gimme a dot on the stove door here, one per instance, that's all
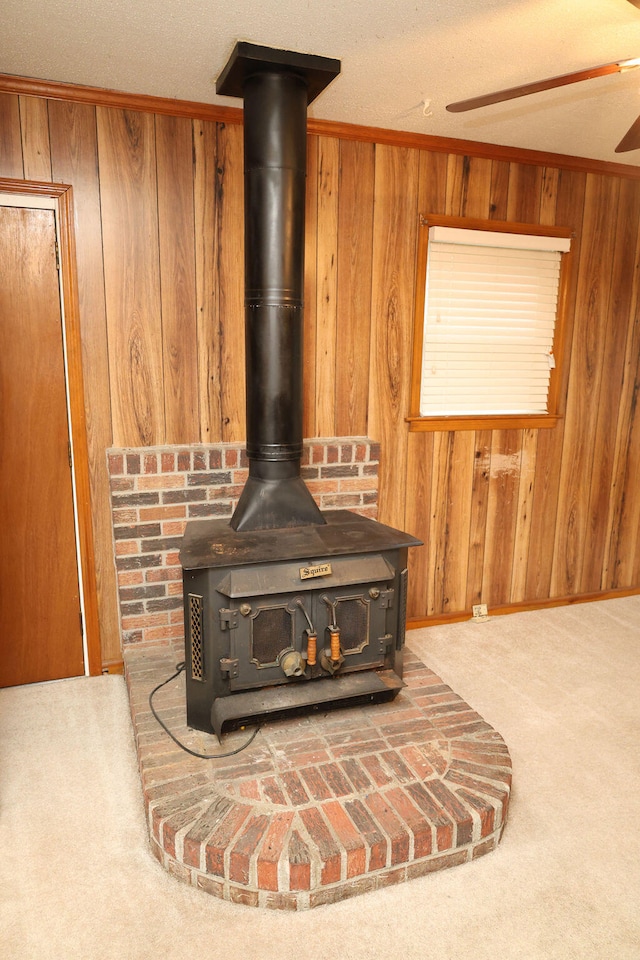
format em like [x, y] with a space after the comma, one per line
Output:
[268, 631]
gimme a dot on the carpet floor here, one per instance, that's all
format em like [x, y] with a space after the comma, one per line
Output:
[77, 879]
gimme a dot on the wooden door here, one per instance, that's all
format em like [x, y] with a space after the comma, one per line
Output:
[40, 626]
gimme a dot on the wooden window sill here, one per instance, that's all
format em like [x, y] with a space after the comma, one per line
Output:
[534, 421]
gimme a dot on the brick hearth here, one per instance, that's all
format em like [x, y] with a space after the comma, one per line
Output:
[322, 807]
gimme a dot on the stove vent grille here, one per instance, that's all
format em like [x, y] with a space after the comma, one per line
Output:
[196, 637]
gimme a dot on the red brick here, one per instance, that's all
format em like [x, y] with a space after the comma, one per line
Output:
[418, 763]
[336, 780]
[270, 852]
[349, 837]
[168, 462]
[221, 839]
[356, 774]
[329, 850]
[395, 831]
[373, 765]
[201, 829]
[375, 839]
[250, 790]
[443, 825]
[454, 809]
[419, 826]
[483, 808]
[240, 857]
[294, 787]
[315, 784]
[299, 863]
[272, 791]
[150, 463]
[116, 464]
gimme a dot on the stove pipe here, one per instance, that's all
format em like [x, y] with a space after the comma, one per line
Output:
[276, 86]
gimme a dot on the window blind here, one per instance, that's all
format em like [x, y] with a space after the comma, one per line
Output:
[490, 310]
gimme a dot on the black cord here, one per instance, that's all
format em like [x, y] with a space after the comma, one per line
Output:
[201, 756]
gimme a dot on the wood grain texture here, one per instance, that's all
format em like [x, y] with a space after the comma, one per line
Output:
[176, 232]
[393, 282]
[567, 525]
[569, 212]
[34, 128]
[229, 289]
[327, 286]
[502, 515]
[355, 245]
[592, 302]
[205, 180]
[611, 400]
[10, 142]
[74, 160]
[127, 156]
[40, 596]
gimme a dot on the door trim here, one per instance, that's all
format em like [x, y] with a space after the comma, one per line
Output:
[63, 194]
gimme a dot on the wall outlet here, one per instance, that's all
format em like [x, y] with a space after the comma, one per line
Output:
[480, 613]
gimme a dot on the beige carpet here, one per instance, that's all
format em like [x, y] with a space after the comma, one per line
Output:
[563, 688]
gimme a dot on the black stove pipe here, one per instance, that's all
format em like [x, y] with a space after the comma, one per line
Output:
[276, 87]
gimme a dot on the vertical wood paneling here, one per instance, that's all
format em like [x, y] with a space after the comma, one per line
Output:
[499, 190]
[522, 536]
[229, 254]
[126, 150]
[394, 245]
[34, 125]
[569, 212]
[355, 245]
[600, 508]
[478, 521]
[176, 228]
[10, 139]
[594, 287]
[327, 285]
[502, 509]
[507, 516]
[525, 185]
[417, 518]
[74, 160]
[205, 186]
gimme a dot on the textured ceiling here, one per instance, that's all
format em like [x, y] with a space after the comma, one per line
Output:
[396, 54]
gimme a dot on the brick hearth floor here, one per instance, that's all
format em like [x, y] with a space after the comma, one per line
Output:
[321, 807]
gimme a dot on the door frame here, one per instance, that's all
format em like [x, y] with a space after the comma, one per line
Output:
[63, 195]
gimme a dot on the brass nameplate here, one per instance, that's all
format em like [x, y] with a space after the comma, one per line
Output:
[319, 570]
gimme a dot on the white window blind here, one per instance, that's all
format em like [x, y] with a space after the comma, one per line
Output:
[490, 310]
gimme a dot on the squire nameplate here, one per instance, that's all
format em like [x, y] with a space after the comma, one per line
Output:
[319, 570]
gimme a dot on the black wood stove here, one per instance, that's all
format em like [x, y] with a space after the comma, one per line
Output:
[286, 608]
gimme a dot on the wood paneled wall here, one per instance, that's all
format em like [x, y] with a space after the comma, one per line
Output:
[507, 516]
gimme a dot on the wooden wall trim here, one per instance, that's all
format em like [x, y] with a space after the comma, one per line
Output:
[96, 96]
[63, 194]
[417, 623]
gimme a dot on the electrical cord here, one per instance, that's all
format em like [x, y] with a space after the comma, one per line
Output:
[201, 756]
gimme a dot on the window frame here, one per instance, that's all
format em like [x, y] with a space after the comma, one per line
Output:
[495, 421]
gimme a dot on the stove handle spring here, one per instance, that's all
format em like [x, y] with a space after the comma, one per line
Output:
[312, 637]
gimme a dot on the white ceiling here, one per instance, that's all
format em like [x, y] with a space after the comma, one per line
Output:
[395, 54]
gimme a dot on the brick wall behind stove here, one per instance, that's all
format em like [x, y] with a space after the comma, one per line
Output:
[156, 490]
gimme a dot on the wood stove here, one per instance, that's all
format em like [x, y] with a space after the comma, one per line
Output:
[286, 608]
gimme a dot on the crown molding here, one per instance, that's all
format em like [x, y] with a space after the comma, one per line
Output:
[96, 96]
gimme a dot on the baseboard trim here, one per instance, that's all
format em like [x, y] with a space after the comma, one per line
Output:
[414, 623]
[113, 666]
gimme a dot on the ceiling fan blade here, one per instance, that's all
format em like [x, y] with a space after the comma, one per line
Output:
[523, 91]
[636, 3]
[631, 139]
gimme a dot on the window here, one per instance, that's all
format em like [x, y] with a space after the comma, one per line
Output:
[489, 321]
